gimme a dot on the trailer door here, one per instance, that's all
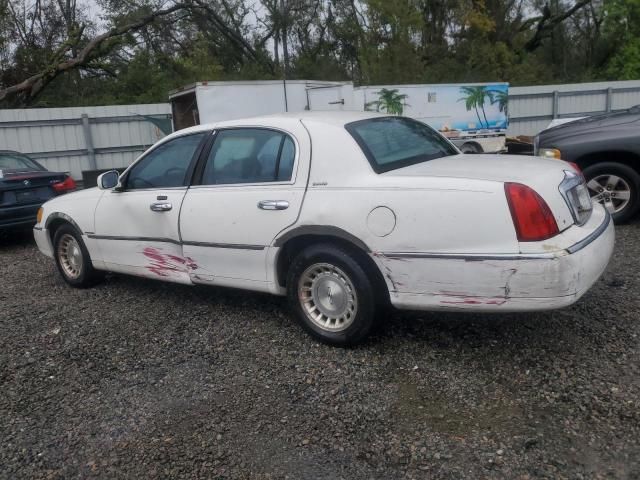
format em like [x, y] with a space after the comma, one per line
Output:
[326, 98]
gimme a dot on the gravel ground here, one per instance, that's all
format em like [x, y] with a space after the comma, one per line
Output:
[140, 379]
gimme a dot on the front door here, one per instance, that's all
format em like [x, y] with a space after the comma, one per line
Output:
[137, 228]
[251, 187]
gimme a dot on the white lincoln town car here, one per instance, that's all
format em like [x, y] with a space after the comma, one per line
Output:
[343, 212]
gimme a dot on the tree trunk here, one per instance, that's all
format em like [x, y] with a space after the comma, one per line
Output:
[285, 47]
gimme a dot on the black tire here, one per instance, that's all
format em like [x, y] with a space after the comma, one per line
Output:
[358, 326]
[628, 175]
[87, 275]
[471, 148]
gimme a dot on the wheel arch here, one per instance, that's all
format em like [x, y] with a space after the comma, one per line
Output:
[56, 219]
[625, 157]
[297, 239]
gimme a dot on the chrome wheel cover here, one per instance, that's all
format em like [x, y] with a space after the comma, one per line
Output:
[611, 191]
[327, 297]
[70, 256]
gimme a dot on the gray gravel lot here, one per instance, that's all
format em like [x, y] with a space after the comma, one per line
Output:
[140, 379]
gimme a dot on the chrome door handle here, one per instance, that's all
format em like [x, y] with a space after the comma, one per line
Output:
[273, 204]
[160, 207]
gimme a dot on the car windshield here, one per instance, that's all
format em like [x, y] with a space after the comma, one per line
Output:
[395, 142]
[13, 161]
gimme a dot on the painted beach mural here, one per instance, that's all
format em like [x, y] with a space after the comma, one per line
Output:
[460, 112]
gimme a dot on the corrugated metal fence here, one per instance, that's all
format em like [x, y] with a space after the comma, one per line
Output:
[95, 138]
[83, 138]
[531, 109]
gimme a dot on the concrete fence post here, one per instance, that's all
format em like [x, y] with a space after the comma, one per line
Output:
[88, 141]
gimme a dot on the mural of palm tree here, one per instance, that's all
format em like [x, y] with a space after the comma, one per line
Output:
[501, 98]
[475, 98]
[390, 101]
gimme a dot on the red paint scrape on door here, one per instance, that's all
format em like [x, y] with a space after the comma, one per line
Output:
[163, 264]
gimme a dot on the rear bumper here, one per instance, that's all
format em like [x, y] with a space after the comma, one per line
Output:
[22, 216]
[505, 283]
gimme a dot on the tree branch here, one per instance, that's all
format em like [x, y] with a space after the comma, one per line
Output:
[547, 22]
[95, 48]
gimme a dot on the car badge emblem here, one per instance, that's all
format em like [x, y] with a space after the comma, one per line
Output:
[27, 183]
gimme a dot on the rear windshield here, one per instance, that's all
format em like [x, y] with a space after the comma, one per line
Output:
[17, 161]
[396, 142]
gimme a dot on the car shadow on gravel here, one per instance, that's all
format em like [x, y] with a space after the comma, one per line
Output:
[436, 330]
[15, 238]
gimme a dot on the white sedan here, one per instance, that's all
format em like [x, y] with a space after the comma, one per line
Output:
[343, 212]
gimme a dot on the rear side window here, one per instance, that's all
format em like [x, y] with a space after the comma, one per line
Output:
[17, 161]
[249, 155]
[395, 142]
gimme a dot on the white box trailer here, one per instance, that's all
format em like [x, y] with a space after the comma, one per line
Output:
[206, 102]
[472, 116]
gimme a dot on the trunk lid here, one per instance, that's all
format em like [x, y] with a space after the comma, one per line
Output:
[20, 187]
[542, 175]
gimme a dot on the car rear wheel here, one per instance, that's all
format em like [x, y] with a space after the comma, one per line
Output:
[72, 258]
[331, 295]
[616, 187]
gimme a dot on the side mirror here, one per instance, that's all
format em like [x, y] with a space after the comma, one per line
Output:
[108, 180]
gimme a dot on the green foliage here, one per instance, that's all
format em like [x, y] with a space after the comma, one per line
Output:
[622, 30]
[374, 42]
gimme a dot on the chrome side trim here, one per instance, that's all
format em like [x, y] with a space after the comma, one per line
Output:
[236, 246]
[471, 257]
[576, 247]
[134, 239]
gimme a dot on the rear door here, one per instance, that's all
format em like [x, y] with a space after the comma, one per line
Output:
[251, 187]
[136, 229]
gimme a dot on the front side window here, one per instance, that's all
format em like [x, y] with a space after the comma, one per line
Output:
[249, 155]
[166, 166]
[395, 142]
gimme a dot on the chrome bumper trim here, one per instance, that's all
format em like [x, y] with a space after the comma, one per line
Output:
[576, 247]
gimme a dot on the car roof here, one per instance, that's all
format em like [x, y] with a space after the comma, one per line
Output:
[334, 118]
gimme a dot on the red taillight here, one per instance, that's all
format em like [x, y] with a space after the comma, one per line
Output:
[531, 215]
[64, 185]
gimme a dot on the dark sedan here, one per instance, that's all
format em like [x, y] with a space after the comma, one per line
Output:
[24, 186]
[607, 148]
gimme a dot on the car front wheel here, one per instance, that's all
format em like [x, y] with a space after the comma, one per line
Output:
[616, 186]
[72, 258]
[331, 295]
